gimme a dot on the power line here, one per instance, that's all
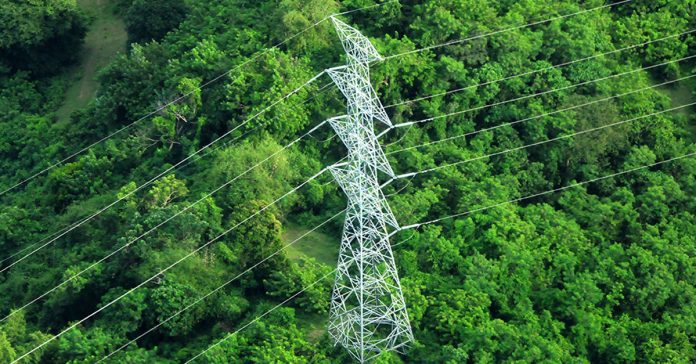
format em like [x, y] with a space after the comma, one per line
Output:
[74, 226]
[79, 223]
[152, 180]
[276, 307]
[176, 167]
[186, 161]
[198, 300]
[181, 164]
[437, 220]
[415, 226]
[541, 115]
[408, 183]
[108, 256]
[319, 91]
[545, 141]
[528, 73]
[258, 55]
[584, 83]
[171, 266]
[61, 333]
[400, 138]
[505, 30]
[176, 100]
[64, 231]
[262, 315]
[132, 241]
[19, 252]
[547, 192]
[112, 302]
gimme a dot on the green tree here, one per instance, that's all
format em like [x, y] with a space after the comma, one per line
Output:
[257, 239]
[42, 36]
[169, 298]
[7, 353]
[298, 278]
[148, 20]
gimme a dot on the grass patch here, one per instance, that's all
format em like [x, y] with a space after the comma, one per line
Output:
[682, 93]
[318, 245]
[313, 324]
[106, 37]
[322, 247]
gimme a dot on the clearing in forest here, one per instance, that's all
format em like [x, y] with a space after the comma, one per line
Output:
[323, 248]
[105, 38]
[320, 246]
[683, 93]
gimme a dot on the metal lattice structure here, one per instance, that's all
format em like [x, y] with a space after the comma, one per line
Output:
[368, 313]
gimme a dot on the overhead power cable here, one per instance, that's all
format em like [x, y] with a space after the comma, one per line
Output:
[575, 185]
[22, 250]
[108, 256]
[415, 226]
[259, 54]
[574, 107]
[185, 162]
[176, 167]
[200, 299]
[132, 241]
[158, 274]
[526, 146]
[505, 30]
[185, 95]
[537, 94]
[327, 275]
[256, 115]
[321, 90]
[411, 176]
[152, 180]
[532, 72]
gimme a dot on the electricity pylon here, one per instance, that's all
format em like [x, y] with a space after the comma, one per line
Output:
[368, 313]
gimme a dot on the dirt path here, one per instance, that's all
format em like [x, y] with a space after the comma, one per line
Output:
[105, 38]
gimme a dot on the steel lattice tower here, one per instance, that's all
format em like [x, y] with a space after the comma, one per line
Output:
[368, 313]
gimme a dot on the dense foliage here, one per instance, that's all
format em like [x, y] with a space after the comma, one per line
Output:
[152, 19]
[600, 273]
[41, 36]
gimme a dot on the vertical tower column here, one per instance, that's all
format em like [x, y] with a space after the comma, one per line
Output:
[368, 313]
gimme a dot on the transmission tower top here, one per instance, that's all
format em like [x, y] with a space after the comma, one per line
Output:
[358, 48]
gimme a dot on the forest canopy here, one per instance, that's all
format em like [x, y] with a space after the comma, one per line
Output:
[41, 36]
[603, 272]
